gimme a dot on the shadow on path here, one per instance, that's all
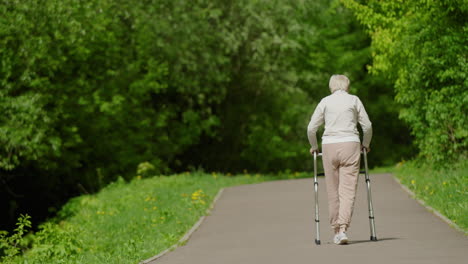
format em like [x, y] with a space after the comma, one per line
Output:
[369, 241]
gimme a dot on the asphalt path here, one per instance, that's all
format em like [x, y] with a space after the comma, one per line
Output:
[273, 222]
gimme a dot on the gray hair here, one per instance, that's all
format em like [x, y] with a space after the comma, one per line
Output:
[338, 82]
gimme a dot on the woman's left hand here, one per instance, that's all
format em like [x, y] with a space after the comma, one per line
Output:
[367, 150]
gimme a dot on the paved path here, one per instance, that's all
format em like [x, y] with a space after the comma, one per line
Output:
[273, 223]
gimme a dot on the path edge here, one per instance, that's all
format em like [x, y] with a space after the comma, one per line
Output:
[429, 208]
[188, 233]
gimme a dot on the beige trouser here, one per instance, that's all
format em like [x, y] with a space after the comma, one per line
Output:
[341, 165]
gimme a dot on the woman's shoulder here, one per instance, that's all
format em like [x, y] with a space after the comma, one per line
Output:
[341, 95]
[353, 97]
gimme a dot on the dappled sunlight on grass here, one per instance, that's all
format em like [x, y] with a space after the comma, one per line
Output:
[129, 221]
[444, 190]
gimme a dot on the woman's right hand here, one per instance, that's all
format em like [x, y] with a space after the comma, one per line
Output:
[313, 150]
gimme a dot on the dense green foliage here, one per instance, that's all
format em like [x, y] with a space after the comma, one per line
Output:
[91, 89]
[421, 46]
[124, 222]
[443, 190]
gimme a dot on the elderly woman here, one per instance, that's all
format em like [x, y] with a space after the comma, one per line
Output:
[341, 150]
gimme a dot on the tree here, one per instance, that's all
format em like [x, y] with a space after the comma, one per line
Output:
[421, 46]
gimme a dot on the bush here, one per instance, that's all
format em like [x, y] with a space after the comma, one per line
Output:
[421, 46]
[11, 246]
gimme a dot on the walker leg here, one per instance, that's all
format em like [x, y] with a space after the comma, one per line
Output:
[373, 236]
[317, 220]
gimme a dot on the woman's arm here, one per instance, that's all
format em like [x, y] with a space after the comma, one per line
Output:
[315, 122]
[365, 123]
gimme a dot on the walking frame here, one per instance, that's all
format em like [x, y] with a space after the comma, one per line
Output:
[373, 236]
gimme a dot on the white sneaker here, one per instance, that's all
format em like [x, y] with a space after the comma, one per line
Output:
[335, 239]
[340, 238]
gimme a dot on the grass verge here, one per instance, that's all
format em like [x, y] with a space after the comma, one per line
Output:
[127, 222]
[444, 190]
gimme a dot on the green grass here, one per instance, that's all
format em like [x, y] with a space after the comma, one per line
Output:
[387, 169]
[444, 190]
[130, 222]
